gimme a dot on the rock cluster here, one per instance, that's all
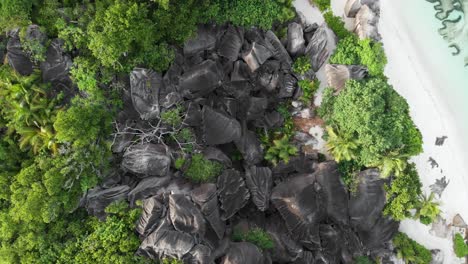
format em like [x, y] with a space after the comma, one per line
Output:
[366, 14]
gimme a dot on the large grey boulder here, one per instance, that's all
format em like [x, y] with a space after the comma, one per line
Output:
[320, 47]
[243, 253]
[146, 86]
[260, 182]
[352, 7]
[287, 85]
[256, 55]
[286, 250]
[206, 197]
[147, 188]
[338, 75]
[153, 213]
[279, 51]
[296, 42]
[147, 160]
[167, 243]
[232, 192]
[219, 128]
[205, 39]
[17, 58]
[185, 216]
[366, 24]
[381, 233]
[201, 79]
[57, 65]
[200, 254]
[231, 43]
[98, 199]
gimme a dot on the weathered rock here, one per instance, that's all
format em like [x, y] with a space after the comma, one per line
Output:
[145, 87]
[171, 99]
[379, 234]
[57, 65]
[147, 188]
[331, 242]
[352, 7]
[320, 46]
[286, 249]
[250, 147]
[200, 79]
[147, 160]
[256, 56]
[17, 58]
[296, 42]
[185, 216]
[240, 72]
[232, 192]
[268, 76]
[279, 52]
[205, 196]
[204, 40]
[238, 89]
[365, 207]
[298, 201]
[154, 211]
[366, 24]
[231, 43]
[243, 253]
[219, 128]
[288, 85]
[211, 153]
[193, 116]
[338, 75]
[253, 108]
[200, 254]
[437, 256]
[164, 242]
[98, 199]
[260, 182]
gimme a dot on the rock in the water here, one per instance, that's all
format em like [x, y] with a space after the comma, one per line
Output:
[320, 46]
[243, 253]
[296, 42]
[146, 86]
[147, 160]
[98, 199]
[17, 58]
[185, 216]
[334, 192]
[205, 196]
[219, 128]
[298, 201]
[154, 211]
[365, 207]
[260, 182]
[338, 75]
[147, 188]
[162, 243]
[256, 56]
[205, 40]
[233, 194]
[200, 79]
[231, 43]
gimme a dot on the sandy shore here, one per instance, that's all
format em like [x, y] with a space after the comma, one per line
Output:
[415, 73]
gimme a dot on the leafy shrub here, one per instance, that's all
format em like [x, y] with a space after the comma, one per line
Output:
[337, 25]
[308, 88]
[301, 65]
[351, 50]
[321, 4]
[34, 48]
[427, 209]
[256, 236]
[203, 170]
[171, 261]
[281, 150]
[363, 260]
[459, 245]
[410, 250]
[349, 174]
[179, 162]
[14, 13]
[342, 149]
[173, 117]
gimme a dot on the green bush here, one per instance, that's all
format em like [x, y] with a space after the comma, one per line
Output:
[309, 88]
[256, 236]
[173, 117]
[301, 65]
[203, 170]
[14, 13]
[351, 50]
[411, 251]
[363, 260]
[281, 150]
[171, 261]
[403, 194]
[427, 209]
[321, 4]
[337, 25]
[459, 245]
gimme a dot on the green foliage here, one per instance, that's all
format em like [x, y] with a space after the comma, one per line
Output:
[403, 194]
[392, 163]
[321, 4]
[337, 25]
[281, 150]
[342, 148]
[351, 50]
[14, 13]
[256, 236]
[427, 209]
[83, 123]
[373, 114]
[173, 117]
[27, 110]
[171, 261]
[308, 88]
[411, 251]
[349, 174]
[301, 65]
[363, 260]
[179, 162]
[459, 246]
[203, 170]
[34, 48]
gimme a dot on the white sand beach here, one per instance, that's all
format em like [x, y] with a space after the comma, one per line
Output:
[420, 70]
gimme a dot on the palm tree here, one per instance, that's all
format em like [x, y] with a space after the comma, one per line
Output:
[427, 209]
[391, 163]
[340, 147]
